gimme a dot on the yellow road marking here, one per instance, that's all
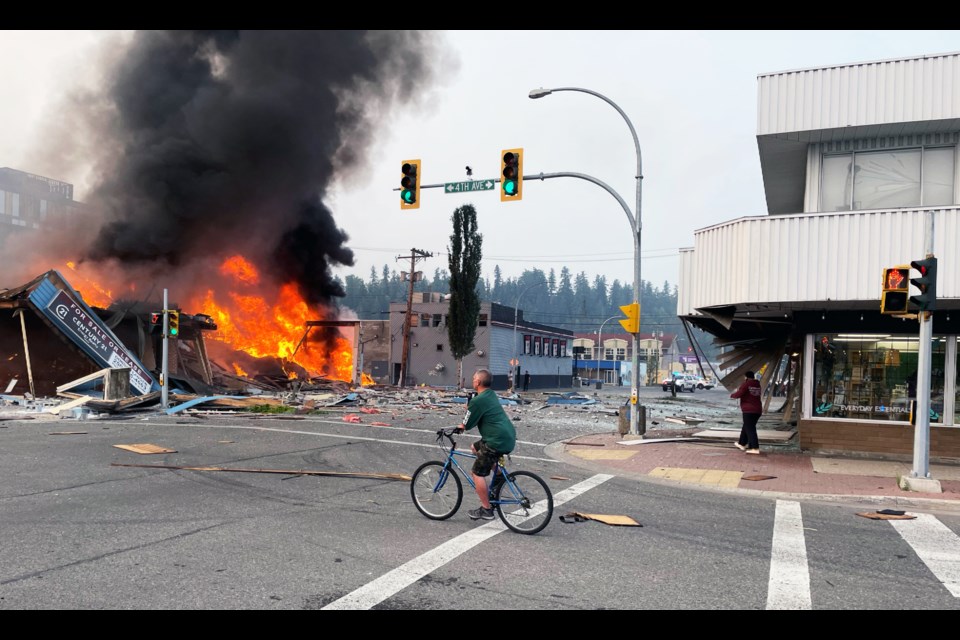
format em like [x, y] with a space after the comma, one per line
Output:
[712, 477]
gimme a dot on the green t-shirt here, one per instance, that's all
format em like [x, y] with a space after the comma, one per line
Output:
[485, 413]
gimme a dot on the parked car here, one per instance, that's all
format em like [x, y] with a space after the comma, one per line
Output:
[704, 383]
[683, 383]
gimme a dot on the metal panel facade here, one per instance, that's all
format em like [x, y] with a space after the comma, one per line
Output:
[812, 257]
[867, 93]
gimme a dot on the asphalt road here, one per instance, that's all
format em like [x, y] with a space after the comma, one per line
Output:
[79, 533]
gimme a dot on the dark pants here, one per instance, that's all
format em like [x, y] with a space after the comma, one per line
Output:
[748, 434]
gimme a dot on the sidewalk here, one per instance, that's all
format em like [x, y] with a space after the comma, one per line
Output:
[718, 465]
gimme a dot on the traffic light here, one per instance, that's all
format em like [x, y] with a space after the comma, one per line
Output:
[896, 290]
[926, 283]
[410, 184]
[511, 174]
[173, 324]
[632, 322]
[156, 322]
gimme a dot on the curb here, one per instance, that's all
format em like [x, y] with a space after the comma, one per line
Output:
[557, 451]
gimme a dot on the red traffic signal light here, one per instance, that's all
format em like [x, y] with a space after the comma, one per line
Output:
[926, 299]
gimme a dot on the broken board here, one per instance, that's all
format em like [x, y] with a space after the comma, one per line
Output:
[144, 448]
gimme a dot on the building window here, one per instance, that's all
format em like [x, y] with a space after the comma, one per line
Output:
[526, 345]
[43, 209]
[563, 348]
[887, 179]
[436, 319]
[424, 319]
[15, 202]
[3, 201]
[483, 320]
[439, 347]
[608, 354]
[536, 345]
[556, 347]
[621, 354]
[872, 376]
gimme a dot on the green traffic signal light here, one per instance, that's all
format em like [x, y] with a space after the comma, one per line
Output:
[511, 172]
[410, 184]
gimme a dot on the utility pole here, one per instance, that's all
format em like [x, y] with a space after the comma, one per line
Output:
[415, 254]
[164, 379]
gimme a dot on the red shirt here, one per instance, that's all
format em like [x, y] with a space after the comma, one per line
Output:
[749, 394]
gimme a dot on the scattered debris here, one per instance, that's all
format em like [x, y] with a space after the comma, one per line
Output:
[379, 424]
[758, 477]
[616, 521]
[887, 514]
[352, 417]
[586, 444]
[13, 383]
[144, 448]
[366, 410]
[288, 472]
[205, 399]
[691, 420]
[559, 478]
[225, 441]
[654, 440]
[70, 405]
[68, 433]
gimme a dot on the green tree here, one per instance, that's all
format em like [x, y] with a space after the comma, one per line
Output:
[465, 252]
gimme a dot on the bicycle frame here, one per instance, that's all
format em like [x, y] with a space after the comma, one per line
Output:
[451, 461]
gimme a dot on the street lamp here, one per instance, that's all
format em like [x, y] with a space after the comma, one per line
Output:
[600, 344]
[636, 226]
[516, 308]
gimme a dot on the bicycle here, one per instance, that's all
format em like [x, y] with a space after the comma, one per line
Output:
[521, 498]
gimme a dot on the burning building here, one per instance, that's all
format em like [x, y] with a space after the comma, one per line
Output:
[213, 153]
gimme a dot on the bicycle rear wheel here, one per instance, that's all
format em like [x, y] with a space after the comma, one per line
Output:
[436, 492]
[535, 507]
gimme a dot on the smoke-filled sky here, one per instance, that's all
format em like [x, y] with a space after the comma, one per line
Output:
[204, 145]
[256, 127]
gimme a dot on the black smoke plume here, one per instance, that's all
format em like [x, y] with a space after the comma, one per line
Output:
[226, 141]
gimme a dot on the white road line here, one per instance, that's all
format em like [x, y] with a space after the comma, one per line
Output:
[936, 545]
[389, 584]
[789, 586]
[343, 437]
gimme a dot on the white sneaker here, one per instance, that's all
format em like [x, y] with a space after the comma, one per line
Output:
[753, 451]
[740, 446]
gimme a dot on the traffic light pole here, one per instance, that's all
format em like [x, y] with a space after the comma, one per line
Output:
[415, 254]
[164, 384]
[921, 432]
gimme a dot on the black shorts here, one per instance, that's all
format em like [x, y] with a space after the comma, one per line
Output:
[486, 458]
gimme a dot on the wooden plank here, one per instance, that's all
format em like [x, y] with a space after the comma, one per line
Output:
[88, 378]
[145, 448]
[288, 472]
[70, 405]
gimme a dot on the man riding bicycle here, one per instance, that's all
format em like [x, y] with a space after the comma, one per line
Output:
[497, 437]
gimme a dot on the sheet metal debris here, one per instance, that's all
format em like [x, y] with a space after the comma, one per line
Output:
[758, 477]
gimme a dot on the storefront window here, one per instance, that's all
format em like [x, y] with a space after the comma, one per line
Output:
[873, 377]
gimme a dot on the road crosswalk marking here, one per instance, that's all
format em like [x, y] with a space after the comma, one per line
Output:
[789, 584]
[936, 545]
[392, 582]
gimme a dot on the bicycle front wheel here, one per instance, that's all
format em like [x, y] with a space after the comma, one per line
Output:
[527, 503]
[436, 492]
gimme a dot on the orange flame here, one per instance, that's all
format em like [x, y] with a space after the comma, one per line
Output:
[92, 293]
[239, 370]
[366, 380]
[262, 328]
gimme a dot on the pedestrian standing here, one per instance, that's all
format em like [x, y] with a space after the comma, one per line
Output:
[526, 380]
[749, 395]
